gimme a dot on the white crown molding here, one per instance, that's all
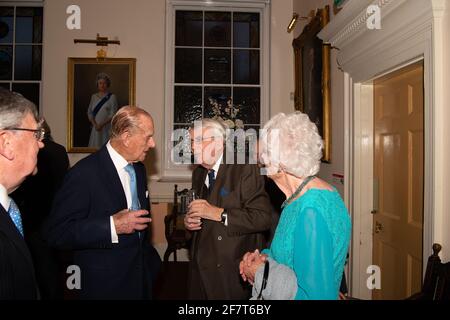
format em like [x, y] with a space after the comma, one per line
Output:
[405, 26]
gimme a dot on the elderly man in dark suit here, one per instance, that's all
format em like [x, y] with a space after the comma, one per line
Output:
[20, 140]
[102, 213]
[228, 220]
[34, 199]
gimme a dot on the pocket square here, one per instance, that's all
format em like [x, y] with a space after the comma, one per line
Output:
[223, 192]
[146, 194]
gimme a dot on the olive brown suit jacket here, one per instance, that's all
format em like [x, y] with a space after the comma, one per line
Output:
[217, 249]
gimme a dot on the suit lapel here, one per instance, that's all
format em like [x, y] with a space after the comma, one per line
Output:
[110, 177]
[141, 181]
[8, 227]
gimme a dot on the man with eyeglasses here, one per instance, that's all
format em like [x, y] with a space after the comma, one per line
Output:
[227, 220]
[102, 211]
[20, 140]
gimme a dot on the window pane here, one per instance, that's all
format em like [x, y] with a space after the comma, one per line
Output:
[188, 104]
[217, 66]
[6, 62]
[5, 85]
[28, 63]
[6, 24]
[247, 101]
[217, 102]
[217, 29]
[246, 66]
[189, 28]
[188, 65]
[183, 143]
[28, 90]
[246, 30]
[28, 25]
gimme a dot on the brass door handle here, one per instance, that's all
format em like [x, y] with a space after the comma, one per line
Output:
[378, 227]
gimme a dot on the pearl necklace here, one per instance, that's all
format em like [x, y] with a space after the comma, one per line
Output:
[297, 192]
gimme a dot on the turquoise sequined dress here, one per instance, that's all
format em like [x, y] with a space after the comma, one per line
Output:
[312, 238]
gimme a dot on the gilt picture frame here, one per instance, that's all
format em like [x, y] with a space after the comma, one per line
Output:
[84, 98]
[312, 77]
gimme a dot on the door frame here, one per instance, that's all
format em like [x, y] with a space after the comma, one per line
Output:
[361, 197]
[412, 30]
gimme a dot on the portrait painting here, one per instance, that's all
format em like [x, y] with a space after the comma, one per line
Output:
[96, 90]
[312, 78]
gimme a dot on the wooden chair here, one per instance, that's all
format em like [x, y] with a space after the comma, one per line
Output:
[436, 284]
[176, 235]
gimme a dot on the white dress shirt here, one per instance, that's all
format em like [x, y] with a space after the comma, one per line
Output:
[5, 200]
[119, 163]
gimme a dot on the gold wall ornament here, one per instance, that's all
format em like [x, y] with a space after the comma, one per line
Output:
[99, 41]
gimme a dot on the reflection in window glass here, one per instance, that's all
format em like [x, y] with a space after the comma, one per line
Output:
[29, 91]
[188, 65]
[217, 29]
[217, 100]
[6, 59]
[28, 25]
[247, 101]
[28, 63]
[217, 66]
[246, 66]
[224, 65]
[188, 104]
[189, 28]
[246, 30]
[6, 24]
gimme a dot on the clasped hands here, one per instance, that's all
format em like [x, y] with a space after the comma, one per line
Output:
[127, 222]
[198, 210]
[250, 264]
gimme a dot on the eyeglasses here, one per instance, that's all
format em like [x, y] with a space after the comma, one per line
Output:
[38, 133]
[199, 140]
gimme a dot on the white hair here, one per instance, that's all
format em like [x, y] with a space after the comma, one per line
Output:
[216, 126]
[299, 144]
[14, 108]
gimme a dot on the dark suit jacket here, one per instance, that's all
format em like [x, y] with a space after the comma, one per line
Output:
[217, 249]
[17, 280]
[80, 221]
[34, 198]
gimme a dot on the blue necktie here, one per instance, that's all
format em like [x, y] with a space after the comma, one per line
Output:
[135, 205]
[14, 213]
[211, 179]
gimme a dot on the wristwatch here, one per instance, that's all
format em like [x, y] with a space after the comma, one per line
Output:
[223, 217]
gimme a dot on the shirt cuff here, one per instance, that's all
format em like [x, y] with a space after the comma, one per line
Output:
[114, 236]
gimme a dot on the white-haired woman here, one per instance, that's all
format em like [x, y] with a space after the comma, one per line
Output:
[101, 109]
[307, 255]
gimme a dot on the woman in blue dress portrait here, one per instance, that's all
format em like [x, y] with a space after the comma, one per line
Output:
[307, 255]
[101, 109]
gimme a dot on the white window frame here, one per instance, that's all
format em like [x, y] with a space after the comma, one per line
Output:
[182, 173]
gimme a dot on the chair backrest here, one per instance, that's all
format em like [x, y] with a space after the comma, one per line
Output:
[436, 284]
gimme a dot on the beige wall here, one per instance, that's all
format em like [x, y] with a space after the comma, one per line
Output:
[303, 7]
[140, 26]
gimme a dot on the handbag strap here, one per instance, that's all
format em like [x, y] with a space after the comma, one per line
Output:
[264, 281]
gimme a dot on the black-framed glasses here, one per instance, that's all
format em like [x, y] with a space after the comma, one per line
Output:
[38, 133]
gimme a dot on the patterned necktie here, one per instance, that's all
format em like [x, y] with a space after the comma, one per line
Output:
[14, 213]
[133, 186]
[211, 179]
